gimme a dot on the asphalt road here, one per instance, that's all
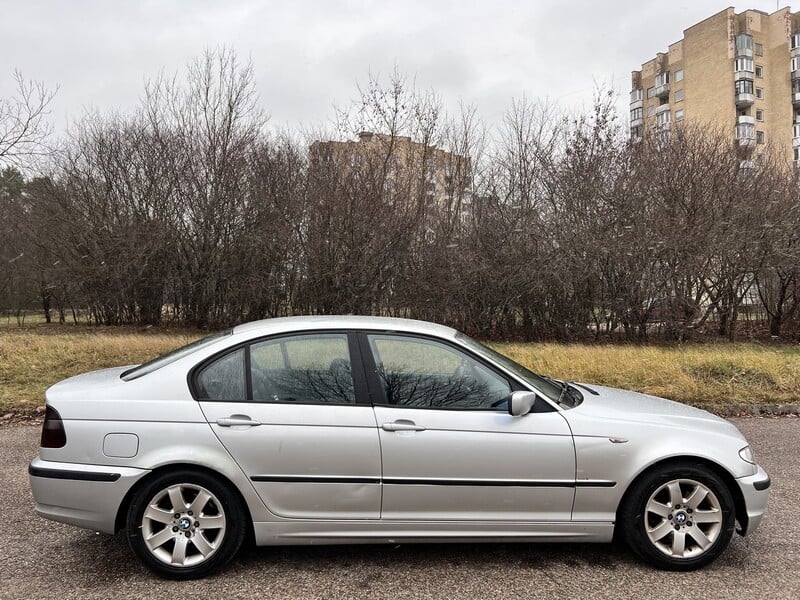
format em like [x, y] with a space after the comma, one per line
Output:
[42, 559]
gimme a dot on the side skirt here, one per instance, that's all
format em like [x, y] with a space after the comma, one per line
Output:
[393, 532]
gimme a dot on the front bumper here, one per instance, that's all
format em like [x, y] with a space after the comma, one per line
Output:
[755, 490]
[84, 495]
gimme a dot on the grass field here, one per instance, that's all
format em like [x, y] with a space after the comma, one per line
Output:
[719, 377]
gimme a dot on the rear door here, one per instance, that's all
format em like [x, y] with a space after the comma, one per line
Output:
[293, 411]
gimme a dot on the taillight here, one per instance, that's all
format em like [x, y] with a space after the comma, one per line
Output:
[53, 434]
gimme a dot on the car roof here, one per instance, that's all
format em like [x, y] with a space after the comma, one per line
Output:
[299, 323]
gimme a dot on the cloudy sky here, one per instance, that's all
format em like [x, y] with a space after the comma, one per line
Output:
[310, 54]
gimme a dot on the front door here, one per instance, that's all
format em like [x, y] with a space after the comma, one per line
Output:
[450, 449]
[293, 413]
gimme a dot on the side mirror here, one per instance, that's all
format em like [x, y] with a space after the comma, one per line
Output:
[521, 403]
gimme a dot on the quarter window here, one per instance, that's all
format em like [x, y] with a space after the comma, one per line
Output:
[422, 373]
[223, 379]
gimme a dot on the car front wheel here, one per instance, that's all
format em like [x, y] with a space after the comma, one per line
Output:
[185, 524]
[679, 517]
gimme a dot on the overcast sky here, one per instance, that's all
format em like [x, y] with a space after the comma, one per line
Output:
[309, 54]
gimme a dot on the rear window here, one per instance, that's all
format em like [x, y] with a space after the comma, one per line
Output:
[170, 357]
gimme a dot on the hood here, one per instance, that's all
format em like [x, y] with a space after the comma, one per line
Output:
[622, 406]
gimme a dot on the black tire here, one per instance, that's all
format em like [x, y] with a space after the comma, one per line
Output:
[657, 538]
[195, 543]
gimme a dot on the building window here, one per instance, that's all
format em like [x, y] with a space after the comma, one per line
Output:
[678, 95]
[796, 86]
[759, 137]
[795, 63]
[759, 49]
[679, 115]
[797, 154]
[743, 64]
[651, 92]
[663, 118]
[662, 79]
[743, 86]
[636, 96]
[759, 93]
[759, 115]
[795, 41]
[637, 113]
[744, 42]
[678, 75]
[759, 71]
[651, 110]
[745, 131]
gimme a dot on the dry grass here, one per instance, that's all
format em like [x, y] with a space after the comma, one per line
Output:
[32, 359]
[712, 376]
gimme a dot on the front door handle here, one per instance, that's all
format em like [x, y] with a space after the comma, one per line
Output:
[236, 421]
[402, 425]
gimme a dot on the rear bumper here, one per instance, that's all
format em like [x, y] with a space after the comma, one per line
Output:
[83, 495]
[755, 490]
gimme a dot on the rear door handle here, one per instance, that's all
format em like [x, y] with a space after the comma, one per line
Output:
[402, 425]
[237, 421]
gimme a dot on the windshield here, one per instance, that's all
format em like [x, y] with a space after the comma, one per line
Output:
[548, 387]
[170, 357]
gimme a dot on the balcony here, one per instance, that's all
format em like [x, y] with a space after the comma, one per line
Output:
[637, 122]
[746, 131]
[662, 91]
[662, 108]
[794, 45]
[744, 99]
[636, 99]
[745, 165]
[744, 75]
[796, 98]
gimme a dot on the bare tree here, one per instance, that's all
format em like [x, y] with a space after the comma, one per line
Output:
[23, 126]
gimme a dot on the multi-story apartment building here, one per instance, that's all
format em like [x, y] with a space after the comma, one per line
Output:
[739, 72]
[442, 177]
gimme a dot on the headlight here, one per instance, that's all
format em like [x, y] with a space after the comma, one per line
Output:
[746, 455]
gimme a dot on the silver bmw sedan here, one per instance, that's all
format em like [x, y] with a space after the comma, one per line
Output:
[332, 430]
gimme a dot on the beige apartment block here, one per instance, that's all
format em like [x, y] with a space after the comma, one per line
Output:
[739, 72]
[442, 178]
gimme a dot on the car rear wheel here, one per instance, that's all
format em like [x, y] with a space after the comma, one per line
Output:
[185, 524]
[679, 517]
